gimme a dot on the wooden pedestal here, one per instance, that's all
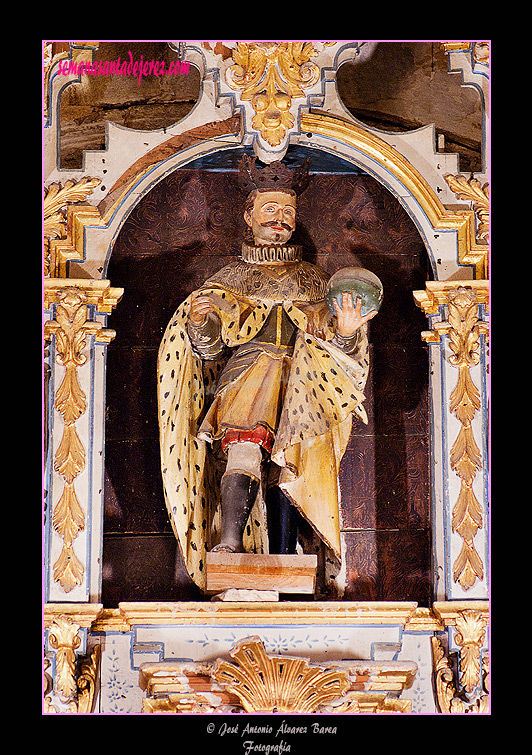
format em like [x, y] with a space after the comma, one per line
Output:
[248, 571]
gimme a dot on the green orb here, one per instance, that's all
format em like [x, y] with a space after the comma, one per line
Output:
[360, 283]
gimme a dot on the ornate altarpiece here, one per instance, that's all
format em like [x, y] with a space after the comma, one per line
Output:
[195, 655]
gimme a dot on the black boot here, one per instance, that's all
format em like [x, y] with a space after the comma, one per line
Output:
[238, 493]
[282, 522]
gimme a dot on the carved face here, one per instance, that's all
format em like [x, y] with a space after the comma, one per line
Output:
[272, 218]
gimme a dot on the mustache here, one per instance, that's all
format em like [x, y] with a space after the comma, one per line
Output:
[276, 224]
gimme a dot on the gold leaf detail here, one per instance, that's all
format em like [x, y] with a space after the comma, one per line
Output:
[68, 569]
[444, 681]
[71, 328]
[69, 399]
[465, 398]
[468, 566]
[56, 197]
[277, 683]
[270, 75]
[463, 328]
[473, 695]
[471, 190]
[68, 518]
[471, 627]
[64, 638]
[467, 514]
[70, 456]
[87, 681]
[465, 454]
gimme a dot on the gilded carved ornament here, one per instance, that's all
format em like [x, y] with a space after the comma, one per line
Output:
[75, 684]
[469, 694]
[64, 221]
[463, 329]
[277, 683]
[71, 327]
[471, 190]
[480, 50]
[255, 682]
[270, 75]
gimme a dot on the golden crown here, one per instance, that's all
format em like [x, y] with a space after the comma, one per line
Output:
[274, 177]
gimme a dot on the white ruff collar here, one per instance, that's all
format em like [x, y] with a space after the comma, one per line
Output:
[267, 254]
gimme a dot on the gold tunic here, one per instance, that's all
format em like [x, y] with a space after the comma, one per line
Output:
[251, 389]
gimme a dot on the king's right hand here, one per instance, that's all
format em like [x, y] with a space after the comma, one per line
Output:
[200, 306]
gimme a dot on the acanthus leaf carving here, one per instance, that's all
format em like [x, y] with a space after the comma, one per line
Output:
[68, 518]
[56, 197]
[64, 639]
[71, 327]
[471, 190]
[68, 569]
[75, 684]
[463, 329]
[70, 455]
[62, 209]
[472, 694]
[469, 636]
[270, 75]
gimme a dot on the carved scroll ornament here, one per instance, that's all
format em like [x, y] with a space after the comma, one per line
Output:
[256, 682]
[471, 694]
[472, 191]
[269, 683]
[64, 220]
[270, 75]
[74, 685]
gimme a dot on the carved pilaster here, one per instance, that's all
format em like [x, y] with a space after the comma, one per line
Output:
[71, 327]
[458, 307]
[463, 329]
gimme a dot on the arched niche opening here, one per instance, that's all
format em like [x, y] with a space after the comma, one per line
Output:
[188, 226]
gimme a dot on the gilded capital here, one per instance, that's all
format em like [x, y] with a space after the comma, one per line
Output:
[467, 691]
[75, 684]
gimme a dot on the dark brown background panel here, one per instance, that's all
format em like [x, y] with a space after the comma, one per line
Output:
[189, 226]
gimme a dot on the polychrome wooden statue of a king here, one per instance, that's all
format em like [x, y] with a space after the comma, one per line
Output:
[259, 376]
